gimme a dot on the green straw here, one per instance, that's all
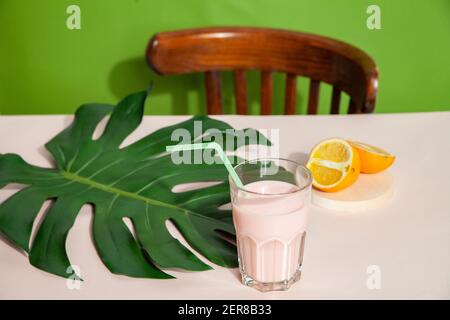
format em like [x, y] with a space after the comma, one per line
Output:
[210, 145]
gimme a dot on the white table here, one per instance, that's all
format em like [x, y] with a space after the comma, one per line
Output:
[408, 238]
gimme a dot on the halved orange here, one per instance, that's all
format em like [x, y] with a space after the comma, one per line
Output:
[334, 165]
[373, 159]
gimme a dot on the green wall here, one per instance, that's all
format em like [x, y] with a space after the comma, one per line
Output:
[47, 68]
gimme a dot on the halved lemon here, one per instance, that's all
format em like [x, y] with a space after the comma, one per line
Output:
[373, 159]
[334, 165]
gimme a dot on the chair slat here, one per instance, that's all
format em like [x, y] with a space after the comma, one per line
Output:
[352, 107]
[335, 100]
[213, 92]
[313, 96]
[290, 99]
[240, 91]
[266, 92]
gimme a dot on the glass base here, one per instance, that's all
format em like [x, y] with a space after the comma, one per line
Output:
[271, 286]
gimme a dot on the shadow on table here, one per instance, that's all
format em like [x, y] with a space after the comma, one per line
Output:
[46, 154]
[299, 157]
[236, 273]
[10, 244]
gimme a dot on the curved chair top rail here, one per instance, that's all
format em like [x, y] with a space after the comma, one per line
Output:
[344, 66]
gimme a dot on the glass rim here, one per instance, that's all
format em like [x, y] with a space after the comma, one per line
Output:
[308, 182]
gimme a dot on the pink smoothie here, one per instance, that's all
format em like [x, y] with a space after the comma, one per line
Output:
[270, 229]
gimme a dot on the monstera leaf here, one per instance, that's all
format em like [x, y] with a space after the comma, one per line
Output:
[132, 182]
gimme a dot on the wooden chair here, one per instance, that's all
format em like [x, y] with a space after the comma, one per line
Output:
[212, 50]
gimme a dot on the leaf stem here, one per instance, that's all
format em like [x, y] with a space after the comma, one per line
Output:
[107, 188]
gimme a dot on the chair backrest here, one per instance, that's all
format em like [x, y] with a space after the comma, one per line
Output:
[212, 50]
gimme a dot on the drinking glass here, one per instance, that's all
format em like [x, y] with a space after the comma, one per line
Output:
[270, 215]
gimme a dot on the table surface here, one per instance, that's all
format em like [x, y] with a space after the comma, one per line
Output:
[407, 238]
